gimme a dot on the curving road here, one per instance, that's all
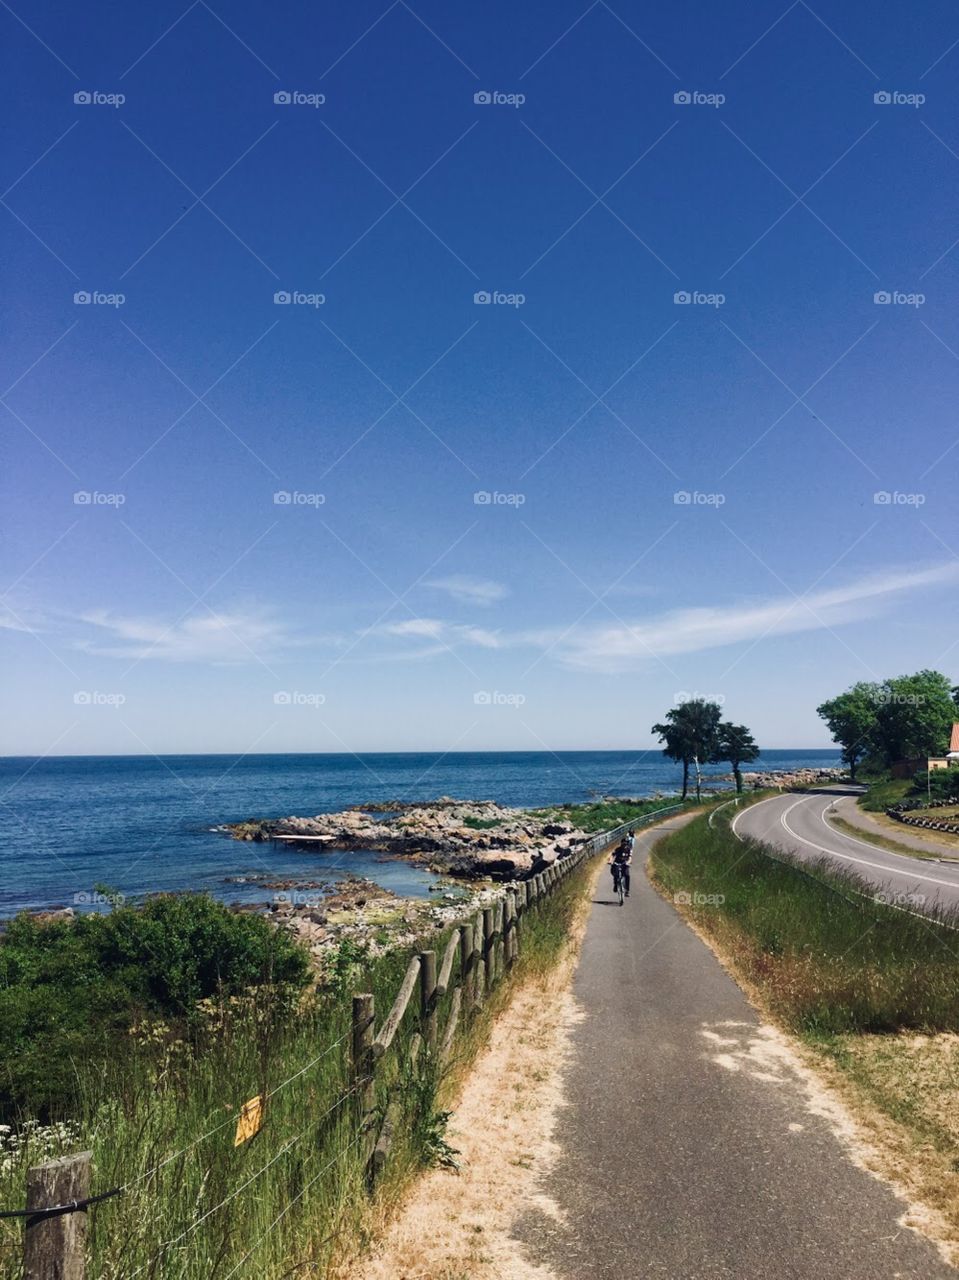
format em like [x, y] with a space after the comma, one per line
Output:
[799, 824]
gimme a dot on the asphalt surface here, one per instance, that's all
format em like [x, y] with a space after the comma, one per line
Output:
[688, 1148]
[797, 823]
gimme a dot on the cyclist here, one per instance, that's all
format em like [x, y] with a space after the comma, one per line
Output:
[619, 863]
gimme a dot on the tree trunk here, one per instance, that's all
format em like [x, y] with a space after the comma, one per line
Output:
[852, 770]
[685, 778]
[739, 779]
[698, 781]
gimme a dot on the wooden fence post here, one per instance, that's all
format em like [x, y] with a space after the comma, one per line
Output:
[509, 928]
[489, 958]
[467, 967]
[428, 998]
[55, 1248]
[362, 1061]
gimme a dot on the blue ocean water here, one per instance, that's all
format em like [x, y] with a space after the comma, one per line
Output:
[143, 824]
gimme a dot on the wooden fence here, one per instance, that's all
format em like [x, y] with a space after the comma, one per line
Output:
[479, 953]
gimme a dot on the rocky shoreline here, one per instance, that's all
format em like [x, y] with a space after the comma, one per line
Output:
[476, 840]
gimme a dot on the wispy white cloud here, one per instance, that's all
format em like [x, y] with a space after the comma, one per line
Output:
[235, 636]
[465, 589]
[623, 646]
[445, 634]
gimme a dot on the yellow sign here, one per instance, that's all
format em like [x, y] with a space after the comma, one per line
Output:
[249, 1121]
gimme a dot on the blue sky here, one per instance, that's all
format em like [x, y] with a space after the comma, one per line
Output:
[747, 494]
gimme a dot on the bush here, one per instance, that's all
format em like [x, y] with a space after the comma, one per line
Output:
[70, 988]
[942, 784]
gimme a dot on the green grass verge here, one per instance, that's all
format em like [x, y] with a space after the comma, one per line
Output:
[160, 1120]
[884, 793]
[824, 960]
[605, 815]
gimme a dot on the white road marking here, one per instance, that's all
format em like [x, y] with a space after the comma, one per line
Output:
[847, 857]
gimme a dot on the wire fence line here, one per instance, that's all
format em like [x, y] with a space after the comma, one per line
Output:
[230, 1119]
[486, 947]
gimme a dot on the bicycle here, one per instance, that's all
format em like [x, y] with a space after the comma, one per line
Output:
[619, 881]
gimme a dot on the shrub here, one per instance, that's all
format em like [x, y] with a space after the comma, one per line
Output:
[69, 989]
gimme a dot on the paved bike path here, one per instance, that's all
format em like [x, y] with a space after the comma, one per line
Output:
[688, 1148]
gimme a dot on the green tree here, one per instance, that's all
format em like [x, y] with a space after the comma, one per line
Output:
[690, 734]
[914, 716]
[738, 746]
[851, 718]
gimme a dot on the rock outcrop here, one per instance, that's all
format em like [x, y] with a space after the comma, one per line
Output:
[470, 840]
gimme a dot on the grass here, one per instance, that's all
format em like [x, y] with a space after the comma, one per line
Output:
[296, 1193]
[825, 960]
[884, 793]
[482, 824]
[606, 814]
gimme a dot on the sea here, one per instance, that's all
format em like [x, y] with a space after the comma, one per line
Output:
[86, 831]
